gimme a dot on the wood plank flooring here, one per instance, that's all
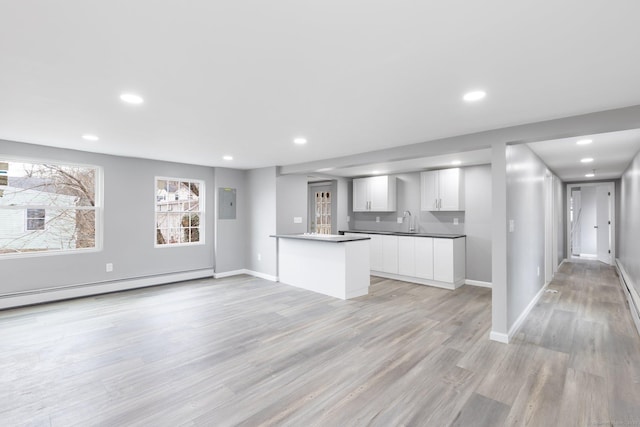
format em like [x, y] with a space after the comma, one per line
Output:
[244, 351]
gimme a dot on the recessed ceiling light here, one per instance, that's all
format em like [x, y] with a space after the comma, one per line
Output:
[375, 172]
[131, 98]
[324, 169]
[590, 175]
[584, 141]
[475, 95]
[456, 162]
[227, 158]
[587, 160]
[90, 137]
[300, 141]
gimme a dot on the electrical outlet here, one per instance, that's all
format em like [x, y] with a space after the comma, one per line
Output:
[259, 257]
[348, 218]
[512, 226]
[538, 271]
[455, 221]
[109, 267]
[377, 219]
[399, 220]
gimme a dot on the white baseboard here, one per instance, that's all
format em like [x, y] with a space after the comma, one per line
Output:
[246, 271]
[66, 292]
[229, 273]
[477, 283]
[499, 337]
[520, 320]
[411, 279]
[630, 292]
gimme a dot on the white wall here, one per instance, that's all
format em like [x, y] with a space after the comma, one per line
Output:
[477, 224]
[231, 240]
[629, 224]
[525, 180]
[261, 209]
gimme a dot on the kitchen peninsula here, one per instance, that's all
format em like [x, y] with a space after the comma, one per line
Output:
[333, 265]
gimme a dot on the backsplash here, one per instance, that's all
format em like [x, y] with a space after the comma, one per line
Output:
[426, 222]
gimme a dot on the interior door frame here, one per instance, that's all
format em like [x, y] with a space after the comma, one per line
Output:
[612, 209]
[312, 186]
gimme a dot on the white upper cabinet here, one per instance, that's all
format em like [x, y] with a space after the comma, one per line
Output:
[442, 190]
[374, 194]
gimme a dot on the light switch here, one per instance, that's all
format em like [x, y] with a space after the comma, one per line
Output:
[297, 220]
[455, 221]
[399, 220]
[512, 225]
[377, 219]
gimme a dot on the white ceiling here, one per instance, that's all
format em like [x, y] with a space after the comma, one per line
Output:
[245, 78]
[611, 154]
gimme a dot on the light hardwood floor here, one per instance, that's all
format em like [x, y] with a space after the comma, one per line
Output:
[244, 351]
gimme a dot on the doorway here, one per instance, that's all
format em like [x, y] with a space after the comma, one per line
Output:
[591, 220]
[322, 207]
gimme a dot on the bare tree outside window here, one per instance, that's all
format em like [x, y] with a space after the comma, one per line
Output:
[47, 207]
[179, 211]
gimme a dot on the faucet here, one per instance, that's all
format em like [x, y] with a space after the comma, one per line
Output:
[406, 214]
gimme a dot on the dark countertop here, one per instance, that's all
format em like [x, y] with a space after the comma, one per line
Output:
[335, 238]
[402, 233]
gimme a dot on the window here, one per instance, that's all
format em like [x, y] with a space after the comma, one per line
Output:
[48, 207]
[35, 219]
[179, 211]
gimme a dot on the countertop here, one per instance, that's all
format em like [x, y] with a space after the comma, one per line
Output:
[402, 233]
[335, 238]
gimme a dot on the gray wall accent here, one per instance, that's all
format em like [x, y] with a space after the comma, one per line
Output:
[261, 209]
[231, 238]
[129, 225]
[475, 221]
[629, 240]
[499, 309]
[477, 225]
[343, 199]
[291, 201]
[525, 245]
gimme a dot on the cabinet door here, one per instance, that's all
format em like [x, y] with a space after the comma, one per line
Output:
[424, 257]
[407, 255]
[390, 254]
[382, 193]
[360, 195]
[375, 252]
[451, 189]
[443, 260]
[429, 191]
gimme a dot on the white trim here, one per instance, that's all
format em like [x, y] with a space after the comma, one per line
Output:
[262, 275]
[478, 283]
[499, 337]
[54, 294]
[630, 291]
[520, 320]
[245, 271]
[418, 280]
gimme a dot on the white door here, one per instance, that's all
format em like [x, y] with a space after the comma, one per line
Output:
[360, 195]
[443, 260]
[424, 257]
[603, 223]
[379, 193]
[407, 255]
[449, 183]
[429, 193]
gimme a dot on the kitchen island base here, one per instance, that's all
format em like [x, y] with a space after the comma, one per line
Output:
[337, 269]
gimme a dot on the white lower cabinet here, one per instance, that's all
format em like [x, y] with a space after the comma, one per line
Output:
[425, 260]
[390, 254]
[424, 257]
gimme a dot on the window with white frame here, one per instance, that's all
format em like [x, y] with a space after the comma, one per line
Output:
[48, 207]
[179, 211]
